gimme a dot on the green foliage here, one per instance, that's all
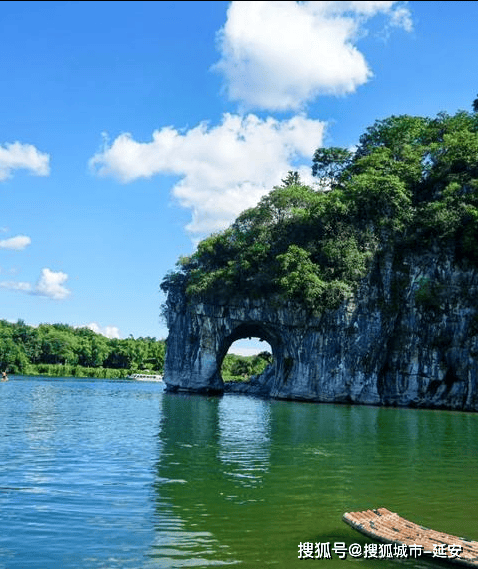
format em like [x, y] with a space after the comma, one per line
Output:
[61, 370]
[60, 349]
[329, 165]
[301, 278]
[381, 197]
[412, 181]
[12, 357]
[292, 179]
[398, 134]
[241, 368]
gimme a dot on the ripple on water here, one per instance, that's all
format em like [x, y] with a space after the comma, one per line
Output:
[101, 474]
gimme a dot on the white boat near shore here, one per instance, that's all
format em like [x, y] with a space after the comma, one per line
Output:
[145, 377]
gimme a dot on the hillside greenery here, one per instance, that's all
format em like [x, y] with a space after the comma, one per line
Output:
[411, 182]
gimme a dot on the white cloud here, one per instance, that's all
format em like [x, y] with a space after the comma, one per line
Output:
[50, 284]
[280, 55]
[224, 169]
[17, 243]
[20, 286]
[401, 18]
[18, 156]
[108, 331]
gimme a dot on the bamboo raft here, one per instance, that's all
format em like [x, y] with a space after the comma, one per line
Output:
[388, 527]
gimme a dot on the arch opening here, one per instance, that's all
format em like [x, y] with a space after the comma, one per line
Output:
[248, 351]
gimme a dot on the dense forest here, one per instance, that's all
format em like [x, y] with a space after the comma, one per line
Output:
[62, 350]
[411, 184]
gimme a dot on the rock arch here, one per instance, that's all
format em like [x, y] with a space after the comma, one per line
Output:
[251, 330]
[200, 336]
[264, 332]
[382, 346]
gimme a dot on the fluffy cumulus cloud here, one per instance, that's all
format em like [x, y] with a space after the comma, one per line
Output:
[224, 169]
[108, 331]
[17, 243]
[50, 285]
[280, 55]
[18, 156]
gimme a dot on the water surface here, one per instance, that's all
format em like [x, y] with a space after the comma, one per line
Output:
[118, 474]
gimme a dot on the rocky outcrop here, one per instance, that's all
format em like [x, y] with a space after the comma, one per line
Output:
[408, 337]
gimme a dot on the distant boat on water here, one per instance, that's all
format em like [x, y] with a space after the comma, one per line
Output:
[145, 377]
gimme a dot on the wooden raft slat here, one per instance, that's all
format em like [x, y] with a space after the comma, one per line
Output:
[388, 527]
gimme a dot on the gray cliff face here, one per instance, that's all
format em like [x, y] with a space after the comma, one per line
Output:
[409, 337]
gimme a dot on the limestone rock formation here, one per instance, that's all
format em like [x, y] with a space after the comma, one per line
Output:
[409, 337]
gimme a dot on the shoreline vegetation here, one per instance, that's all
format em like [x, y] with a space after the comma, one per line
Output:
[61, 350]
[66, 370]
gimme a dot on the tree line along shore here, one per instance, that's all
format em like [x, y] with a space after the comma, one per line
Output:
[64, 350]
[61, 350]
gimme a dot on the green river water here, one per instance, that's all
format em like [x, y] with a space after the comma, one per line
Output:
[120, 474]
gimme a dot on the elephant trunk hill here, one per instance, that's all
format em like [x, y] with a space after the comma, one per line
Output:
[366, 292]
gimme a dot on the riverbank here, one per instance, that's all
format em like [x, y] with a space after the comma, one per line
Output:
[66, 370]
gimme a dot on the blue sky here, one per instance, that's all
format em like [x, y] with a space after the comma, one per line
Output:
[130, 130]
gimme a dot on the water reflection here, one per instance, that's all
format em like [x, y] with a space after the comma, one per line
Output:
[244, 439]
[247, 480]
[214, 458]
[186, 478]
